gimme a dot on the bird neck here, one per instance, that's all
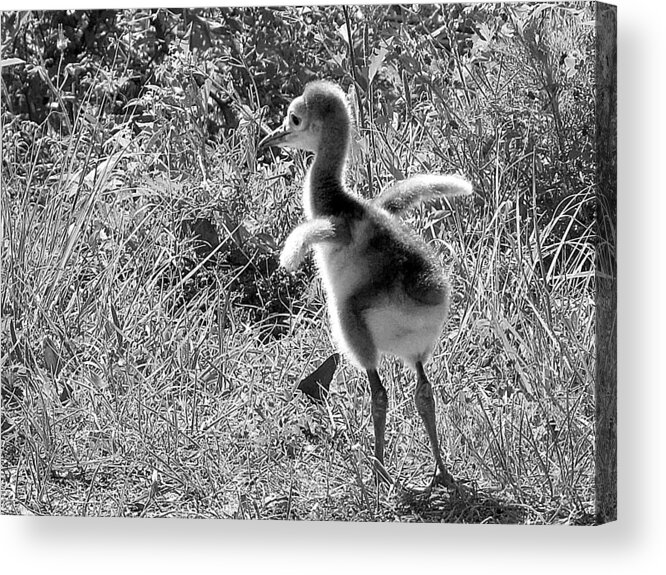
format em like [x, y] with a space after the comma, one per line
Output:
[325, 194]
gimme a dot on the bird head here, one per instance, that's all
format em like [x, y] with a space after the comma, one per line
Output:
[318, 117]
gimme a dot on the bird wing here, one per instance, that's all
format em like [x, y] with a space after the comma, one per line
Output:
[404, 194]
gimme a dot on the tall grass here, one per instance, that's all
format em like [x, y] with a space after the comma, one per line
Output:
[145, 376]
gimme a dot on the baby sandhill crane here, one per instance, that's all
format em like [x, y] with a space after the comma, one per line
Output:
[386, 291]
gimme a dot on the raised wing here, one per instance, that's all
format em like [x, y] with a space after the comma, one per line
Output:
[407, 193]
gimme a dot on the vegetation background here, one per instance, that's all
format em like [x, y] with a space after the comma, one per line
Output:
[151, 346]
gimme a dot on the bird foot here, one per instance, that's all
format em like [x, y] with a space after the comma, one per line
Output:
[381, 475]
[455, 487]
[445, 479]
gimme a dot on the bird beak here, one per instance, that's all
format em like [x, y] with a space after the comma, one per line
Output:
[277, 138]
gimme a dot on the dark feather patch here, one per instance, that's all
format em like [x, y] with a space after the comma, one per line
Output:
[316, 385]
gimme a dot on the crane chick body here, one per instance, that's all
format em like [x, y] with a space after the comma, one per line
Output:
[386, 291]
[383, 277]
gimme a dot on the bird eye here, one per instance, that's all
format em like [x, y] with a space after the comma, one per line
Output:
[295, 120]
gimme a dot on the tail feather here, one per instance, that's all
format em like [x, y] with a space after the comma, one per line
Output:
[404, 194]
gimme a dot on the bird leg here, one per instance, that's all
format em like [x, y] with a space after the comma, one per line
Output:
[379, 405]
[361, 345]
[425, 404]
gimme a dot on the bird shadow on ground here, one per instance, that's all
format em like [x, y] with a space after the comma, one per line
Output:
[439, 505]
